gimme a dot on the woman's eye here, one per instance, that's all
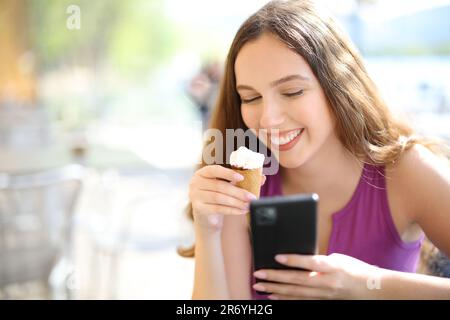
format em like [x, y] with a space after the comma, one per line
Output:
[249, 100]
[293, 94]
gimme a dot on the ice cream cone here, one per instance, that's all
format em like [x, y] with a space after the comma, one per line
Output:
[252, 180]
[249, 164]
[251, 183]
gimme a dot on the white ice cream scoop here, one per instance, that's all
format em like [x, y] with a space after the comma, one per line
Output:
[246, 159]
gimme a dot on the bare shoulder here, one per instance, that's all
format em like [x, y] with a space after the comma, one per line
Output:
[422, 178]
[420, 160]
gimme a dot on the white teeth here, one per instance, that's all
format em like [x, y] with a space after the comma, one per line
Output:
[286, 139]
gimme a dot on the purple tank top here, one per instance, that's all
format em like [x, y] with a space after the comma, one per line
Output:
[364, 228]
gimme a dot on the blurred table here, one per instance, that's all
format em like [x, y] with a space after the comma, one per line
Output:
[42, 158]
[33, 159]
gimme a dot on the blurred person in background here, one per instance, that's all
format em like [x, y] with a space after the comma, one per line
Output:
[202, 89]
[382, 187]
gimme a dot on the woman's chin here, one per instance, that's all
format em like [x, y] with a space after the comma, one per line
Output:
[290, 161]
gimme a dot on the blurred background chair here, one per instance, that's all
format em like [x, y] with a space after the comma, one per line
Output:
[36, 230]
[128, 227]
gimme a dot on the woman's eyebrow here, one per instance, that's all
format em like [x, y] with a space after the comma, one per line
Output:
[289, 78]
[277, 82]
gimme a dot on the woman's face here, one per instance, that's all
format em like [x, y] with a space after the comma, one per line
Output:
[278, 90]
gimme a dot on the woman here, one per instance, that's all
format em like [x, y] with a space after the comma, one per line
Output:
[381, 188]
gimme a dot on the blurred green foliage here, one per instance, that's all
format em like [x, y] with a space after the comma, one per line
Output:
[135, 36]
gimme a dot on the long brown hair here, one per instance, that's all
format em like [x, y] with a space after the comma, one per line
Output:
[364, 123]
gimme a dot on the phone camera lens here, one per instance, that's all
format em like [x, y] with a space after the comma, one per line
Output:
[266, 216]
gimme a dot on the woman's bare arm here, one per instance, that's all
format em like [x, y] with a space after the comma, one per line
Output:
[425, 180]
[223, 261]
[237, 256]
[214, 197]
[209, 278]
[426, 185]
[405, 285]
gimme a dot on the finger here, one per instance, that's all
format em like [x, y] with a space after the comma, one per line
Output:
[219, 172]
[263, 180]
[220, 209]
[317, 263]
[215, 198]
[304, 278]
[297, 291]
[226, 188]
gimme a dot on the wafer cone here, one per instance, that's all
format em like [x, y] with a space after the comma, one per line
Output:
[251, 182]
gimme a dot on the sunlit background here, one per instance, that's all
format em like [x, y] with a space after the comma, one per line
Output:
[101, 120]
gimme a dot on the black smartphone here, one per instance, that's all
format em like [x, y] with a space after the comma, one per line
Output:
[282, 224]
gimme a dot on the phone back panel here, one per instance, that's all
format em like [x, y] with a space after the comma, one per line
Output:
[283, 225]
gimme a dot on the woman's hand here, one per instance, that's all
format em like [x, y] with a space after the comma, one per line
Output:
[336, 276]
[213, 194]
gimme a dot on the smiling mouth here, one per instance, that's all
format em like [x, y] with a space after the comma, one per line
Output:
[285, 138]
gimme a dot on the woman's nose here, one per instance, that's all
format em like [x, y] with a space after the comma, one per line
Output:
[272, 116]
